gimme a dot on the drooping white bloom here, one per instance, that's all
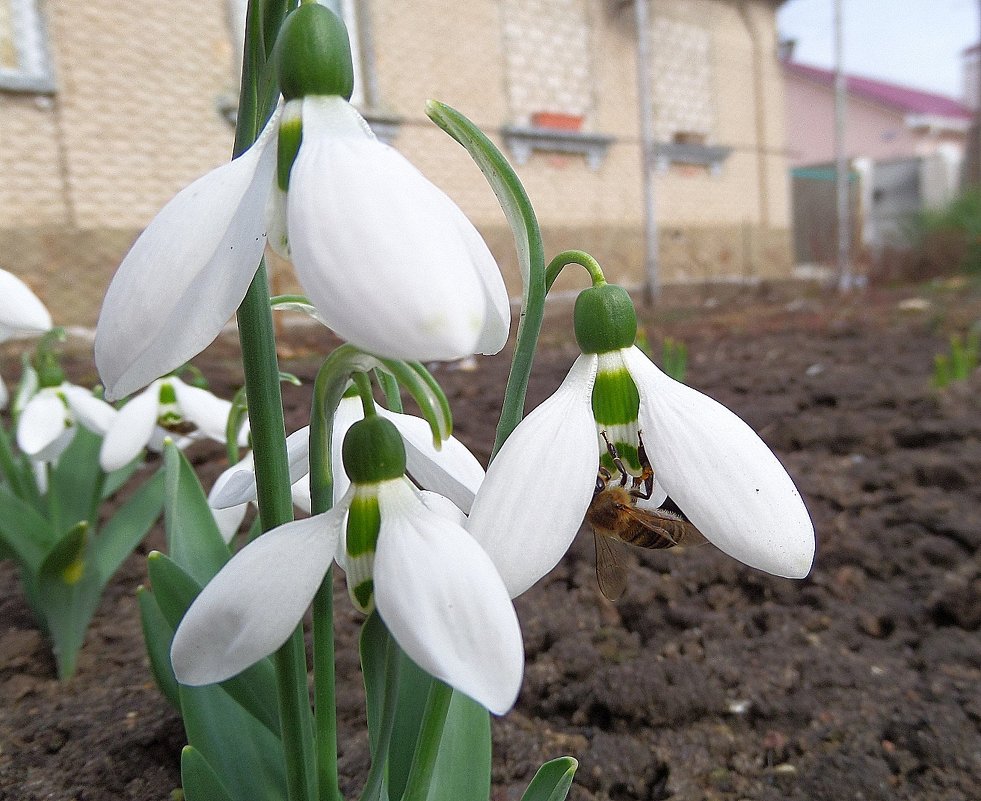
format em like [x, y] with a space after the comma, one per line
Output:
[235, 488]
[389, 261]
[22, 314]
[710, 463]
[435, 588]
[47, 421]
[166, 403]
[452, 471]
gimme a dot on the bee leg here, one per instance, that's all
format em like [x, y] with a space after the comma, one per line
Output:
[603, 477]
[646, 478]
[617, 462]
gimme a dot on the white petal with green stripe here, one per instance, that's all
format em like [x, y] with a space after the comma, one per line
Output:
[360, 541]
[616, 409]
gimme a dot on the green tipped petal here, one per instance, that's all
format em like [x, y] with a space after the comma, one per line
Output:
[604, 319]
[313, 54]
[616, 409]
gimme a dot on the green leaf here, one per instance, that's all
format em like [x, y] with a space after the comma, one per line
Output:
[27, 534]
[463, 767]
[553, 780]
[127, 527]
[245, 755]
[158, 635]
[117, 478]
[75, 486]
[200, 782]
[193, 538]
[175, 590]
[414, 686]
[66, 561]
[68, 591]
[14, 472]
[374, 646]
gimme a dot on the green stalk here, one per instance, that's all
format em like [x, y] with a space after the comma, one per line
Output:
[261, 368]
[378, 774]
[324, 693]
[579, 257]
[427, 749]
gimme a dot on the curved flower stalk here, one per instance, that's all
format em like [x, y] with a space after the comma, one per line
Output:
[47, 422]
[436, 590]
[168, 405]
[370, 238]
[711, 464]
[452, 471]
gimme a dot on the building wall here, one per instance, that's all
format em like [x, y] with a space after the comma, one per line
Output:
[872, 131]
[136, 116]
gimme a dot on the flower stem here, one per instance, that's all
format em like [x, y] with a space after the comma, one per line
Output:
[375, 782]
[579, 257]
[427, 749]
[325, 703]
[261, 368]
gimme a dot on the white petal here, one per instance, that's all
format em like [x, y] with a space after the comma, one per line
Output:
[4, 395]
[41, 423]
[349, 411]
[443, 601]
[131, 430]
[378, 248]
[443, 506]
[92, 412]
[721, 474]
[498, 312]
[187, 273]
[228, 518]
[451, 471]
[21, 312]
[255, 602]
[536, 491]
[237, 484]
[207, 411]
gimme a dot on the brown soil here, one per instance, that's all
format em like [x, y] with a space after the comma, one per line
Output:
[708, 680]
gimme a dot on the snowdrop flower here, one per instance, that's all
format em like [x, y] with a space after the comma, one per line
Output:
[710, 463]
[434, 587]
[390, 262]
[235, 488]
[453, 471]
[47, 422]
[21, 315]
[168, 405]
[21, 312]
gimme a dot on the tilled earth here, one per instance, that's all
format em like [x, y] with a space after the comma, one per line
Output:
[708, 679]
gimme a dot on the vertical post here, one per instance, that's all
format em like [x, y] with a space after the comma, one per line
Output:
[645, 110]
[845, 278]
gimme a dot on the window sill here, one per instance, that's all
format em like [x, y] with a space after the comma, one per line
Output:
[523, 140]
[710, 156]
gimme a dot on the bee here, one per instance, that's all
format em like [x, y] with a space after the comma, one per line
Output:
[615, 518]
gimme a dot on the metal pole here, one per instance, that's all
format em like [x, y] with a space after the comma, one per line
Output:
[645, 110]
[845, 278]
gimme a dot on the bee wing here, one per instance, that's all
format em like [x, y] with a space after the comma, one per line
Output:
[611, 575]
[673, 528]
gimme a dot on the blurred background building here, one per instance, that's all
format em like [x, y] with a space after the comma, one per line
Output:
[107, 109]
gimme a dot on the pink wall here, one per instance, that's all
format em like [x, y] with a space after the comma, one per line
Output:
[872, 131]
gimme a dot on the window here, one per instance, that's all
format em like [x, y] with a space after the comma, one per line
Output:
[24, 62]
